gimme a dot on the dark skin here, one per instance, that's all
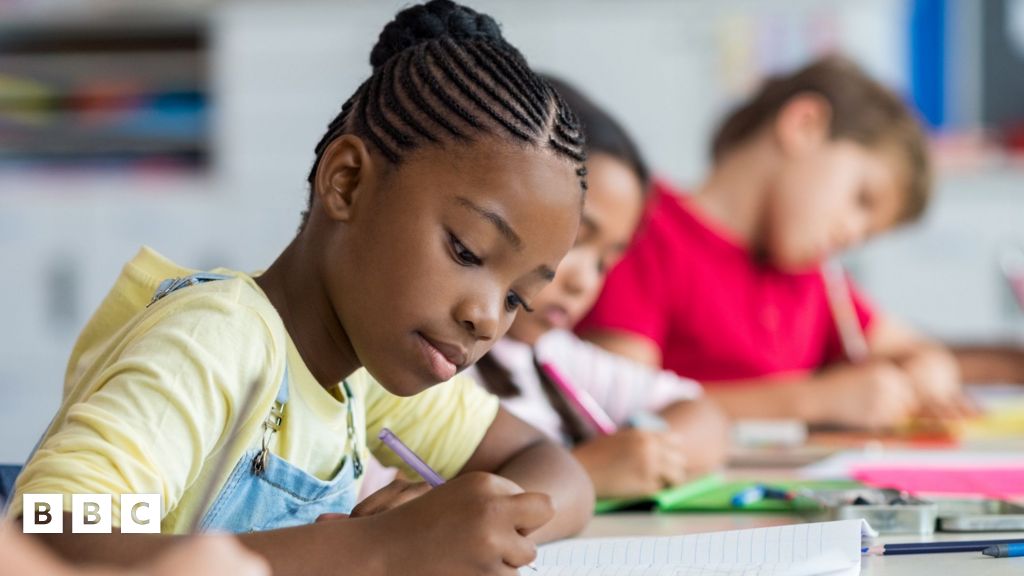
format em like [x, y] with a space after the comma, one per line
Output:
[412, 271]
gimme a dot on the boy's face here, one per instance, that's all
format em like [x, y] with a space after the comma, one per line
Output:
[612, 211]
[828, 198]
[442, 250]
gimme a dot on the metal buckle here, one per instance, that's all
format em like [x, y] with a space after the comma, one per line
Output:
[271, 425]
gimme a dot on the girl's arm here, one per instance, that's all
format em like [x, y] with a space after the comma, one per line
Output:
[704, 428]
[203, 556]
[517, 451]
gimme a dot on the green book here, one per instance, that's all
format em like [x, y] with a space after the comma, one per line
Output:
[713, 493]
[663, 500]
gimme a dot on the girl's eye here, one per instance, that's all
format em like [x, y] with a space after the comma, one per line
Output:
[463, 255]
[513, 301]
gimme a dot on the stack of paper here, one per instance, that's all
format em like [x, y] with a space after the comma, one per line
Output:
[825, 548]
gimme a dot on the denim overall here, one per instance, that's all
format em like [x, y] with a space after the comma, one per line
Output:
[263, 491]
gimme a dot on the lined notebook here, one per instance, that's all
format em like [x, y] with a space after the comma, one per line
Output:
[823, 548]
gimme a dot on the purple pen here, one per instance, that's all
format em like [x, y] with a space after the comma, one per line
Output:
[409, 457]
[416, 463]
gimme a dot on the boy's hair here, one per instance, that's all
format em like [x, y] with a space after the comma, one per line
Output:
[444, 72]
[863, 111]
[604, 134]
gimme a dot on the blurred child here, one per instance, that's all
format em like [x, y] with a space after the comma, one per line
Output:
[202, 556]
[725, 286]
[632, 461]
[443, 197]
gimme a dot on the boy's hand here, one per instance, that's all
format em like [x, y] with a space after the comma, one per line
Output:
[633, 462]
[876, 394]
[208, 555]
[475, 524]
[936, 378]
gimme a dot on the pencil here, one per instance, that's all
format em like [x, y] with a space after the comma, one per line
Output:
[582, 401]
[935, 547]
[844, 313]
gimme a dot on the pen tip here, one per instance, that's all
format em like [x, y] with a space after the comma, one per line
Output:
[991, 551]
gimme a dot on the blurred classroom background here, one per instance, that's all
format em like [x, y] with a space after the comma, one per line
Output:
[192, 129]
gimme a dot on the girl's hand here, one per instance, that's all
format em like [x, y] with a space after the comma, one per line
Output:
[208, 555]
[475, 524]
[633, 462]
[391, 496]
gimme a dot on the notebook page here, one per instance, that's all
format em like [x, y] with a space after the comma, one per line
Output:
[795, 550]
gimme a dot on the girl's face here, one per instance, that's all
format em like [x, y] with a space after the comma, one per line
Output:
[440, 253]
[827, 198]
[610, 215]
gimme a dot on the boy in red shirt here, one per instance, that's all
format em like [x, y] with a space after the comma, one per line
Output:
[725, 287]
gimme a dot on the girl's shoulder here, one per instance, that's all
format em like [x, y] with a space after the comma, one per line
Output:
[233, 306]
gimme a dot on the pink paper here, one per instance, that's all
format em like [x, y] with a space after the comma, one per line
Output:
[992, 482]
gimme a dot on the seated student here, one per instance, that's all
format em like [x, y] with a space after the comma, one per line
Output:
[207, 555]
[725, 285]
[632, 461]
[443, 197]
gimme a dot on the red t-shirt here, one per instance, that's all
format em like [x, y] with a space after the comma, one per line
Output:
[713, 310]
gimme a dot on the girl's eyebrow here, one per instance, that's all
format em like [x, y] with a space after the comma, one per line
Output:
[494, 218]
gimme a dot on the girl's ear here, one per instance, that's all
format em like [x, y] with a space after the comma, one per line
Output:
[343, 172]
[803, 123]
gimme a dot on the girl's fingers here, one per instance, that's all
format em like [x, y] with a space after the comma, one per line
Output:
[530, 511]
[326, 517]
[391, 496]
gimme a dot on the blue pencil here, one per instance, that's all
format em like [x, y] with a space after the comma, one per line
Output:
[934, 547]
[1004, 551]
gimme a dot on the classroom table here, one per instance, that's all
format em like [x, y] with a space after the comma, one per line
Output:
[970, 563]
[776, 465]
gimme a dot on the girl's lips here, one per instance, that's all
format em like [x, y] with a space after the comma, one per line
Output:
[440, 365]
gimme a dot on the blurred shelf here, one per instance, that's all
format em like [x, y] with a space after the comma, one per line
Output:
[98, 89]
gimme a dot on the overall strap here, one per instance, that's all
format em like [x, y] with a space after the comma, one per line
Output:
[172, 284]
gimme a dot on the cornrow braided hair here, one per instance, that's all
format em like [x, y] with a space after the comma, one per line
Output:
[444, 72]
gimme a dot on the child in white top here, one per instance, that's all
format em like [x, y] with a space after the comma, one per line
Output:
[621, 386]
[634, 460]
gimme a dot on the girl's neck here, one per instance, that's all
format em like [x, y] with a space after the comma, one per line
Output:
[308, 315]
[734, 195]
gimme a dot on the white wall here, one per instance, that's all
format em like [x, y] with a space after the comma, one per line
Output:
[282, 70]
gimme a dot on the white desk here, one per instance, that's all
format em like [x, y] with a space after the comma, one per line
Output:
[971, 564]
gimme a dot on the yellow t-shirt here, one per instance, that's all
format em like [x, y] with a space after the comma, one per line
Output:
[149, 399]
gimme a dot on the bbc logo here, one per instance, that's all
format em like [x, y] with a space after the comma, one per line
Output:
[91, 513]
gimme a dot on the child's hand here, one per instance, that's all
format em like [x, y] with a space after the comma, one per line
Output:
[633, 462]
[876, 394]
[475, 524]
[209, 555]
[936, 378]
[391, 496]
